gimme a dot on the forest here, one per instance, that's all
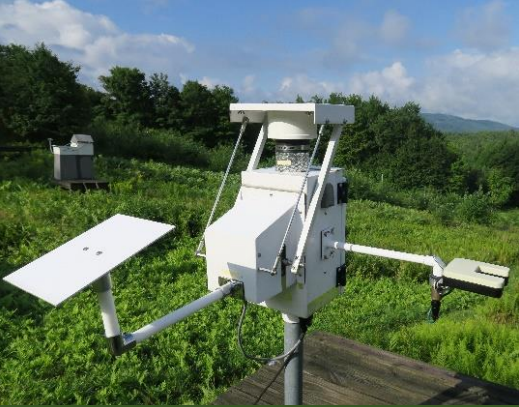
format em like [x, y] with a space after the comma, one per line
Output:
[163, 148]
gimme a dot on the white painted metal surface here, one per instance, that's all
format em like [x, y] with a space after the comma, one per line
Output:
[436, 263]
[316, 198]
[71, 267]
[172, 318]
[388, 254]
[246, 239]
[291, 126]
[322, 113]
[477, 272]
[258, 148]
[84, 149]
[109, 314]
[317, 286]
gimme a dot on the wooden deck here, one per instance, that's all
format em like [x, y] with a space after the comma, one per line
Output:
[341, 371]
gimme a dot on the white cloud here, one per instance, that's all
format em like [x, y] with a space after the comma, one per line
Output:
[468, 84]
[93, 41]
[249, 84]
[474, 85]
[394, 28]
[485, 27]
[391, 83]
[210, 83]
[305, 87]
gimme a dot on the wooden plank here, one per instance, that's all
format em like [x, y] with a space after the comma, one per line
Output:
[342, 371]
[399, 373]
[83, 184]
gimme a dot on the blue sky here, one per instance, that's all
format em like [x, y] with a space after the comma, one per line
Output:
[458, 57]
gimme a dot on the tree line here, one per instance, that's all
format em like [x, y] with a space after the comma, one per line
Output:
[41, 97]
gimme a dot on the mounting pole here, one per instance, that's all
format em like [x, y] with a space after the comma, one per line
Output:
[294, 367]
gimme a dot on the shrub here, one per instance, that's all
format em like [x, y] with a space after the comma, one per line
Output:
[475, 207]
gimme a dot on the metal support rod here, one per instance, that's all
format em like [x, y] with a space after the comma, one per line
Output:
[294, 366]
[316, 198]
[103, 287]
[273, 270]
[258, 147]
[436, 263]
[146, 331]
[244, 123]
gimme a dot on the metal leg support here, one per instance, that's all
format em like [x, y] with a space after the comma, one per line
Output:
[294, 367]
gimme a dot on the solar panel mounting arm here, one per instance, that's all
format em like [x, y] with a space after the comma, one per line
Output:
[120, 343]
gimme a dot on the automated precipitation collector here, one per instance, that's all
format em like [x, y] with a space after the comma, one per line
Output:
[282, 245]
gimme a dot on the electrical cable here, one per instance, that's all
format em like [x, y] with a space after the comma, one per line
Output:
[287, 356]
[282, 367]
[259, 358]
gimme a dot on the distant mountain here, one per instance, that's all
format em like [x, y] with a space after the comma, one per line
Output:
[454, 124]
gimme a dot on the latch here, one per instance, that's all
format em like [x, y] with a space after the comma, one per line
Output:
[341, 276]
[342, 192]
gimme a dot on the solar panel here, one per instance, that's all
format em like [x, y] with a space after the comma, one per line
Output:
[71, 267]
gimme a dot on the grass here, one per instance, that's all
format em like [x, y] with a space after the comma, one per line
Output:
[58, 356]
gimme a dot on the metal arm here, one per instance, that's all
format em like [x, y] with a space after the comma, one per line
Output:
[435, 262]
[120, 343]
[316, 198]
[469, 275]
[244, 123]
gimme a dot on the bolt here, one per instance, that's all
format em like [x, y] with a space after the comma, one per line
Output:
[99, 253]
[85, 249]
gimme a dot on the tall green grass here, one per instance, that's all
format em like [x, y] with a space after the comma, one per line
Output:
[58, 356]
[117, 140]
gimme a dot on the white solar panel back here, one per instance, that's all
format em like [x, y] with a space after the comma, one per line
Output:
[71, 267]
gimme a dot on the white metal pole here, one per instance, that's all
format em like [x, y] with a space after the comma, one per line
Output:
[146, 331]
[108, 313]
[436, 263]
[259, 146]
[316, 199]
[103, 286]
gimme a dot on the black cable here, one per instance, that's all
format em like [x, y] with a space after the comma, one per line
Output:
[259, 358]
[283, 366]
[287, 356]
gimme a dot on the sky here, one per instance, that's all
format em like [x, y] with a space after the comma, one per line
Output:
[457, 57]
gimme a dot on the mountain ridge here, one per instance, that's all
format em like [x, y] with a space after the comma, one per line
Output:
[448, 123]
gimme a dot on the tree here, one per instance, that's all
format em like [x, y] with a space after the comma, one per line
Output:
[165, 102]
[358, 146]
[501, 160]
[127, 97]
[396, 142]
[226, 131]
[204, 114]
[39, 94]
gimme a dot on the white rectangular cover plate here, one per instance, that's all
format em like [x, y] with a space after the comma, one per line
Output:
[323, 112]
[66, 270]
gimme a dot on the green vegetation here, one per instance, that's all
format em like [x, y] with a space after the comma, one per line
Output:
[59, 356]
[163, 150]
